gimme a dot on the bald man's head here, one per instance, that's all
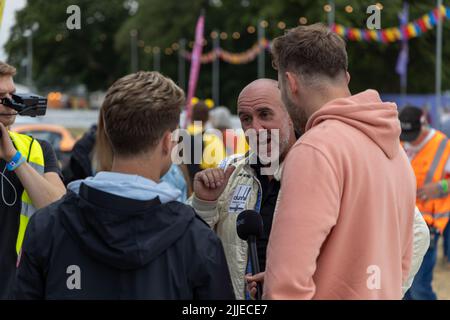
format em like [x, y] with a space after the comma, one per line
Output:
[261, 86]
[260, 108]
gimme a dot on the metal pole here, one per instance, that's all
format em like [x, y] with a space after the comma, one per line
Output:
[30, 59]
[261, 56]
[331, 13]
[157, 60]
[404, 87]
[437, 111]
[134, 52]
[182, 64]
[216, 72]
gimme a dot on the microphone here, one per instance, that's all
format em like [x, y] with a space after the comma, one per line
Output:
[249, 227]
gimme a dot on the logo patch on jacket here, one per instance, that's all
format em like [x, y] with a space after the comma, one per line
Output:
[239, 199]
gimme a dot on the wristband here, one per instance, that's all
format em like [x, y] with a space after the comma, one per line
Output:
[16, 161]
[444, 186]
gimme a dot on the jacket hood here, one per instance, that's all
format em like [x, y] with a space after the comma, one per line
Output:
[128, 186]
[367, 113]
[122, 232]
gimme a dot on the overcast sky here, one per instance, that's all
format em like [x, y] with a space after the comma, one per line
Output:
[8, 21]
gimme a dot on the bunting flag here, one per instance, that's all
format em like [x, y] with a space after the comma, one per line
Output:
[402, 33]
[233, 58]
[2, 7]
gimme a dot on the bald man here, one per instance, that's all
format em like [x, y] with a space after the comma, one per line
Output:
[240, 182]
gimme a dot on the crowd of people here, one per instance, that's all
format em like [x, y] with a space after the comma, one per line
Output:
[352, 207]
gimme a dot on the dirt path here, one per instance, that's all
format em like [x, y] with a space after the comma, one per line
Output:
[441, 279]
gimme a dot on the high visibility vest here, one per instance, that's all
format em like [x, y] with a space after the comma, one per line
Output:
[32, 151]
[429, 166]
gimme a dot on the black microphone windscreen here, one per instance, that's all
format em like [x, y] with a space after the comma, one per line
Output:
[249, 223]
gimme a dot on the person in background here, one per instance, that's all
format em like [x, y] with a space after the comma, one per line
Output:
[81, 160]
[233, 139]
[207, 145]
[175, 177]
[446, 245]
[428, 150]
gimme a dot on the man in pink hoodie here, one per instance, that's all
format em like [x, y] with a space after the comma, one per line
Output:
[343, 227]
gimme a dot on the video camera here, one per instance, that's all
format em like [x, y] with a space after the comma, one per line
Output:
[27, 104]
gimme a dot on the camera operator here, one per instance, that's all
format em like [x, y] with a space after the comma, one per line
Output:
[29, 180]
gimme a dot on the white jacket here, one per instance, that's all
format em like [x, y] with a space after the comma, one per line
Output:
[421, 243]
[241, 193]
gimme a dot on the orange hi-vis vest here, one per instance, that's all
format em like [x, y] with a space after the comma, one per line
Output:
[429, 166]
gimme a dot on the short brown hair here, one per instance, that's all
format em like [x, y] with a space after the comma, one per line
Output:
[103, 154]
[138, 109]
[6, 70]
[310, 50]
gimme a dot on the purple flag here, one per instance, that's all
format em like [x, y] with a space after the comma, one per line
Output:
[402, 61]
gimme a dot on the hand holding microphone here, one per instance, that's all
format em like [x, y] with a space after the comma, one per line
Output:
[249, 227]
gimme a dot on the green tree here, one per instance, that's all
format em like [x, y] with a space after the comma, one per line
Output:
[63, 58]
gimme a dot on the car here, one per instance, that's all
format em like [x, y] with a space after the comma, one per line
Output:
[58, 136]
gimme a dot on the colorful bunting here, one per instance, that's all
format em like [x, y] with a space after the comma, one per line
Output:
[233, 58]
[411, 30]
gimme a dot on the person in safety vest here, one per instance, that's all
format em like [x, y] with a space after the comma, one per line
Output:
[428, 150]
[29, 180]
[206, 149]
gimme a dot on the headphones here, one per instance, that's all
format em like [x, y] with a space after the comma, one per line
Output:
[3, 189]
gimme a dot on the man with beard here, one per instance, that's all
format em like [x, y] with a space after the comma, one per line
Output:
[343, 227]
[262, 114]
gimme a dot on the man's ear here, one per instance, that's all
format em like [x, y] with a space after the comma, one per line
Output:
[348, 77]
[167, 143]
[292, 82]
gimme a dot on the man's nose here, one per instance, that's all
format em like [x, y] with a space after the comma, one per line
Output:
[257, 125]
[8, 95]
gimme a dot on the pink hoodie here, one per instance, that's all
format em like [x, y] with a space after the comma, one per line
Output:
[343, 227]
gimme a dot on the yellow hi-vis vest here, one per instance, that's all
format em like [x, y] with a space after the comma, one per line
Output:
[32, 151]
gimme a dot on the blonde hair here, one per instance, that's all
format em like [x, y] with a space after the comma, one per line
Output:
[7, 70]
